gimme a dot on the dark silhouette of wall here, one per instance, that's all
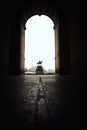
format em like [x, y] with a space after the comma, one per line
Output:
[73, 61]
[72, 35]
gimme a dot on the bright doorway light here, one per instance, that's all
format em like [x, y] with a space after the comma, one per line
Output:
[40, 42]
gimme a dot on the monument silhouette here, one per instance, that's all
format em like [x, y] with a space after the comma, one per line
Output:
[39, 69]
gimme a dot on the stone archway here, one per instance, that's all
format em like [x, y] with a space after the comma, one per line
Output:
[40, 8]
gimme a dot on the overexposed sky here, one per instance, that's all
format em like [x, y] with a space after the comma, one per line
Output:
[39, 42]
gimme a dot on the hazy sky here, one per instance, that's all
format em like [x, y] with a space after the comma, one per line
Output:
[39, 42]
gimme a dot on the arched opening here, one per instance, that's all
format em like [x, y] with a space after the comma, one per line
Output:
[40, 9]
[39, 45]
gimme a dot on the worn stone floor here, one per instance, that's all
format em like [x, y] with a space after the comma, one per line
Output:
[42, 101]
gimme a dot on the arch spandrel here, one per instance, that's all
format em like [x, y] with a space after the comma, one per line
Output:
[40, 8]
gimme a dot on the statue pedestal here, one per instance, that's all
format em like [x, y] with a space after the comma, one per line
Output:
[39, 70]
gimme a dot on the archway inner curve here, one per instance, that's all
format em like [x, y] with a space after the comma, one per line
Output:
[39, 44]
[40, 9]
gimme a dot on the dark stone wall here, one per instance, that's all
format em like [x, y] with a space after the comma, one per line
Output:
[4, 48]
[78, 44]
[64, 46]
[14, 48]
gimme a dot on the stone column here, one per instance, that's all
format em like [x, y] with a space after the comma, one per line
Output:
[57, 55]
[22, 48]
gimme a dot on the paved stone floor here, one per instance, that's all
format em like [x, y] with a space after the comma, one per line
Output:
[42, 101]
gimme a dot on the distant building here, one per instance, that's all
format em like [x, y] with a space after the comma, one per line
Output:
[50, 71]
[32, 69]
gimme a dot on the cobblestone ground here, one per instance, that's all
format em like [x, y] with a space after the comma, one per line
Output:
[34, 100]
[39, 97]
